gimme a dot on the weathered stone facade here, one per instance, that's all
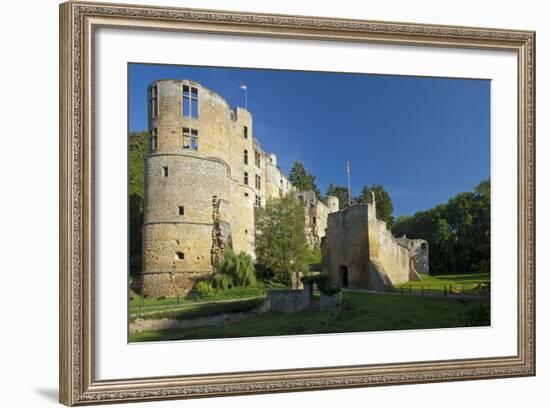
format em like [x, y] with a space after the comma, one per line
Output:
[359, 251]
[205, 173]
[316, 212]
[419, 253]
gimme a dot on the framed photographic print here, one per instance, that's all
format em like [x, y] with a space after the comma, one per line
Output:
[256, 203]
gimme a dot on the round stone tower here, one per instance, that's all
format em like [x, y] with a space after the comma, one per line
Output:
[187, 208]
[333, 204]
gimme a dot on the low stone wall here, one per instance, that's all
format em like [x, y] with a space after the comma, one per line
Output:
[288, 301]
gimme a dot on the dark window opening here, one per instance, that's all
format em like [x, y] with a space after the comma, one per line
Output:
[165, 171]
[245, 132]
[423, 246]
[314, 220]
[343, 276]
[246, 194]
[245, 156]
[180, 255]
[258, 201]
[257, 181]
[181, 210]
[245, 178]
[257, 159]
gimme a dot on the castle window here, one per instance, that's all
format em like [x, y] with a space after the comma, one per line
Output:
[190, 139]
[246, 178]
[153, 101]
[246, 194]
[258, 201]
[412, 244]
[314, 220]
[165, 171]
[154, 142]
[257, 158]
[245, 132]
[423, 246]
[194, 139]
[180, 255]
[257, 182]
[190, 101]
[245, 156]
[181, 210]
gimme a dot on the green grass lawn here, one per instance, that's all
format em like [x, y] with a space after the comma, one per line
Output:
[139, 304]
[436, 283]
[360, 312]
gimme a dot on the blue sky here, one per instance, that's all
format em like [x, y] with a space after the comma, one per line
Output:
[424, 139]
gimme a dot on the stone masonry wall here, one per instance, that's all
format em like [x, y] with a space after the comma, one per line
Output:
[184, 233]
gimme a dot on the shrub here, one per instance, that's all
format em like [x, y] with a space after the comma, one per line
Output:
[239, 268]
[221, 281]
[204, 288]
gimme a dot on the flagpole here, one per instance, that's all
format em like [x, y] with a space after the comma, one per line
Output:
[245, 89]
[349, 184]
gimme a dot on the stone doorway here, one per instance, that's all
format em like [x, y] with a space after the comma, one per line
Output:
[343, 276]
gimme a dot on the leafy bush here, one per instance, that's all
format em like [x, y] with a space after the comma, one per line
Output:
[221, 281]
[238, 268]
[204, 288]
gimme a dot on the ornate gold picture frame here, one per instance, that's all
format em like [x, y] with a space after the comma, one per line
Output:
[79, 22]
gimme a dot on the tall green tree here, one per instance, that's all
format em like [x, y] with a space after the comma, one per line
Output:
[303, 180]
[384, 204]
[341, 192]
[281, 246]
[137, 155]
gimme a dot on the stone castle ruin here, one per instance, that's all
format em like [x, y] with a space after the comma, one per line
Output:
[204, 175]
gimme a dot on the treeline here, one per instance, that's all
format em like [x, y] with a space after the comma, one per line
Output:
[137, 153]
[458, 232]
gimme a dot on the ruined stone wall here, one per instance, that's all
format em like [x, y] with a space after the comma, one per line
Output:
[345, 247]
[418, 251]
[388, 258]
[359, 251]
[316, 213]
[277, 184]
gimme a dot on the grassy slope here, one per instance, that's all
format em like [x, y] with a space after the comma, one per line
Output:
[437, 282]
[360, 312]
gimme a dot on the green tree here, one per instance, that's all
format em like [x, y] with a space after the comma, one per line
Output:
[137, 144]
[384, 204]
[233, 270]
[458, 232]
[303, 180]
[281, 246]
[341, 193]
